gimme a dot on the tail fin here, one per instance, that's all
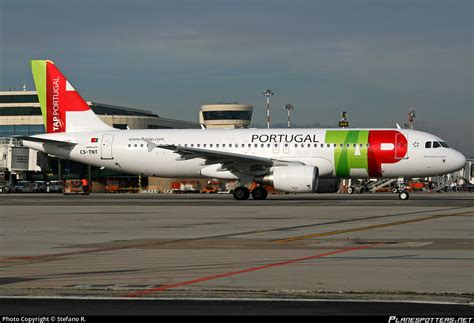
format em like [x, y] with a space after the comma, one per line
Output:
[62, 107]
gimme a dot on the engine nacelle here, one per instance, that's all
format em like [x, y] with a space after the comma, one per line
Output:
[293, 179]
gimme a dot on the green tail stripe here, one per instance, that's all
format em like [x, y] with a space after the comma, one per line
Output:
[38, 67]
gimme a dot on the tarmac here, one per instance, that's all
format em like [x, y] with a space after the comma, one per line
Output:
[371, 247]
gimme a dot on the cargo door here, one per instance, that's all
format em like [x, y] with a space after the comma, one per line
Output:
[106, 147]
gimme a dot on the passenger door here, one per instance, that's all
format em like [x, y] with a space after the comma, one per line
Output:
[106, 147]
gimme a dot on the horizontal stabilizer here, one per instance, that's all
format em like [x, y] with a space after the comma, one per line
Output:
[46, 141]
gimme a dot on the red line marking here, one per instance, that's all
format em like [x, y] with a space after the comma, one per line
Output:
[247, 270]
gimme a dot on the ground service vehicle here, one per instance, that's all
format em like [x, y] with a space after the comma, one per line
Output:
[23, 187]
[74, 186]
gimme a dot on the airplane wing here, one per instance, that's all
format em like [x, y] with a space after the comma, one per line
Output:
[232, 162]
[46, 141]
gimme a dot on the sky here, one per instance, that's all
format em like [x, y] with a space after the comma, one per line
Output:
[374, 59]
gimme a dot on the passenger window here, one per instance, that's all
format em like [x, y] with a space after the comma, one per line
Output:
[315, 145]
[217, 145]
[129, 145]
[340, 145]
[296, 145]
[436, 144]
[250, 145]
[428, 144]
[210, 145]
[256, 145]
[135, 145]
[322, 145]
[268, 145]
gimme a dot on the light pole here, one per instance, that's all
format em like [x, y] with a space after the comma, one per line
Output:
[268, 93]
[411, 119]
[289, 108]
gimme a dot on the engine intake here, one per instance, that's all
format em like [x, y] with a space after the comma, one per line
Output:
[292, 179]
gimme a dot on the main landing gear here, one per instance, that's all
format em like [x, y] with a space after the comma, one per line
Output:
[243, 193]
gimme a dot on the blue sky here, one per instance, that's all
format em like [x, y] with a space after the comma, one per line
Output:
[374, 59]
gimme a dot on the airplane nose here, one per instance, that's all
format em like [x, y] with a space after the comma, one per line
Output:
[458, 160]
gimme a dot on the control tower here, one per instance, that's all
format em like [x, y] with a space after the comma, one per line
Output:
[226, 115]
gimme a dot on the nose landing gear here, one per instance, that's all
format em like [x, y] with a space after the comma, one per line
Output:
[403, 195]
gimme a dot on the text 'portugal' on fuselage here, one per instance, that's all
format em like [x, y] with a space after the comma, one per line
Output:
[290, 160]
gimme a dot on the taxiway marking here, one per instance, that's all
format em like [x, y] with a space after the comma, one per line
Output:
[247, 270]
[370, 227]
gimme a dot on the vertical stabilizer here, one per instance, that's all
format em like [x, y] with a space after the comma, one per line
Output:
[63, 109]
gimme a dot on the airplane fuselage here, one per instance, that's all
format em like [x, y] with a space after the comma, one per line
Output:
[346, 153]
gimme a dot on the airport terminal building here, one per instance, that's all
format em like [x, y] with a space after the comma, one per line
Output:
[20, 114]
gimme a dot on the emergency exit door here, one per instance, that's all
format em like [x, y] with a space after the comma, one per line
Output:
[106, 147]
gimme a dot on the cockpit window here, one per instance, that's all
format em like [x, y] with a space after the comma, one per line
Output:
[436, 144]
[445, 145]
[428, 144]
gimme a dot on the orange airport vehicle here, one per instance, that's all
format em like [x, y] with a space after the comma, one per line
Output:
[415, 186]
[74, 186]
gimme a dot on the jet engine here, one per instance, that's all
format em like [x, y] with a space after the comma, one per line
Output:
[292, 179]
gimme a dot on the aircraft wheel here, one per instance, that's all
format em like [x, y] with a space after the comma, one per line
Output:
[360, 190]
[241, 193]
[350, 190]
[403, 195]
[259, 193]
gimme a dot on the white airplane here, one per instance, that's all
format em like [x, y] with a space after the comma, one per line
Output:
[289, 160]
